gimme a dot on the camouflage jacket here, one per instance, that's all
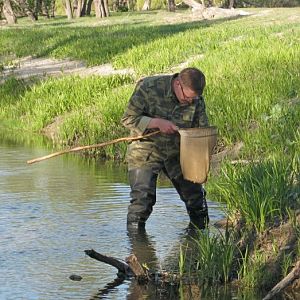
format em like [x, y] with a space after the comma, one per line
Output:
[154, 98]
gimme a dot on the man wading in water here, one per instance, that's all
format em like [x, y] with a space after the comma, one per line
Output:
[167, 103]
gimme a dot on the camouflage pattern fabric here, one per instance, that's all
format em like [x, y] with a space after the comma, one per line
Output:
[154, 98]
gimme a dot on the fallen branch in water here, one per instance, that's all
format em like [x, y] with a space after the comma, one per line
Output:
[75, 149]
[287, 280]
[130, 267]
[122, 266]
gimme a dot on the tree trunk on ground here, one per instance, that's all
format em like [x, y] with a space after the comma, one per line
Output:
[74, 7]
[171, 5]
[105, 3]
[8, 12]
[25, 7]
[97, 8]
[102, 12]
[287, 280]
[45, 9]
[101, 8]
[78, 9]
[195, 5]
[89, 7]
[83, 10]
[69, 11]
[52, 8]
[231, 3]
[147, 5]
[37, 8]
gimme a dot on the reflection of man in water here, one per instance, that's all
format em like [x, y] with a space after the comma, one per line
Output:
[143, 248]
[166, 103]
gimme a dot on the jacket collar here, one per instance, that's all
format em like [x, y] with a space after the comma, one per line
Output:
[170, 92]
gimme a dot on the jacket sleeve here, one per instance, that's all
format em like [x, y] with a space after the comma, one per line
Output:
[201, 119]
[135, 115]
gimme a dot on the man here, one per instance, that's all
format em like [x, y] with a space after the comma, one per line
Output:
[164, 103]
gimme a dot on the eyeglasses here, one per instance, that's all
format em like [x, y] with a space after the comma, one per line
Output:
[196, 98]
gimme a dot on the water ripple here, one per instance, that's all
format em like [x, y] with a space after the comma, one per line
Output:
[51, 212]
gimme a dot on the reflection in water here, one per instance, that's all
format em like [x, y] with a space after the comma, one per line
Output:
[50, 212]
[144, 249]
[109, 287]
[142, 246]
[190, 288]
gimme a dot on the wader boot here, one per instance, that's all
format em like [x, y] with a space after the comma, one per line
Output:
[193, 195]
[199, 219]
[143, 196]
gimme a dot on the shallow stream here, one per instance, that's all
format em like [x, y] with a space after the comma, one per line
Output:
[51, 211]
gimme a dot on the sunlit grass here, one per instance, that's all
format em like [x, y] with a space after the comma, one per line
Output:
[245, 66]
[258, 192]
[87, 110]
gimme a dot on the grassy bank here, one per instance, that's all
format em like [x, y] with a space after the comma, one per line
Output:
[252, 66]
[252, 62]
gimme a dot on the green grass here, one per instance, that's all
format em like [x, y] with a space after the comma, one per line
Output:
[248, 61]
[87, 110]
[252, 269]
[215, 254]
[258, 192]
[94, 43]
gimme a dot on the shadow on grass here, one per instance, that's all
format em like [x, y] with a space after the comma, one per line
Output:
[95, 45]
[12, 90]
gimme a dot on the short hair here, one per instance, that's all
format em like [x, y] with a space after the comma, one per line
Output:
[194, 79]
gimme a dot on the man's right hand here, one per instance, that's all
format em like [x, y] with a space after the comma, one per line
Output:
[164, 126]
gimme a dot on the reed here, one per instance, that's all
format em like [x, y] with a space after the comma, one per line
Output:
[214, 256]
[259, 192]
[182, 260]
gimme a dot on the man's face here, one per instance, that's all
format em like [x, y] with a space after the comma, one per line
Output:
[184, 94]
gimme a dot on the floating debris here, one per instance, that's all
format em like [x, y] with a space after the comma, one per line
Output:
[75, 277]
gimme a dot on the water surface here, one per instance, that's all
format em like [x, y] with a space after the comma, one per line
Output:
[51, 211]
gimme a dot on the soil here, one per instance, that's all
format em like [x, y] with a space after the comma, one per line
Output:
[42, 67]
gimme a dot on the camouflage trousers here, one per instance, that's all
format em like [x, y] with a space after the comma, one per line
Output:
[143, 196]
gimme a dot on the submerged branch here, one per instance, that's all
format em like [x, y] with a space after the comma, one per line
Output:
[287, 280]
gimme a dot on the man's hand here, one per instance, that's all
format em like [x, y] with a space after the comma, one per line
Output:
[164, 126]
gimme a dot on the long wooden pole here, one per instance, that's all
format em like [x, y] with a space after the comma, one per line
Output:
[75, 149]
